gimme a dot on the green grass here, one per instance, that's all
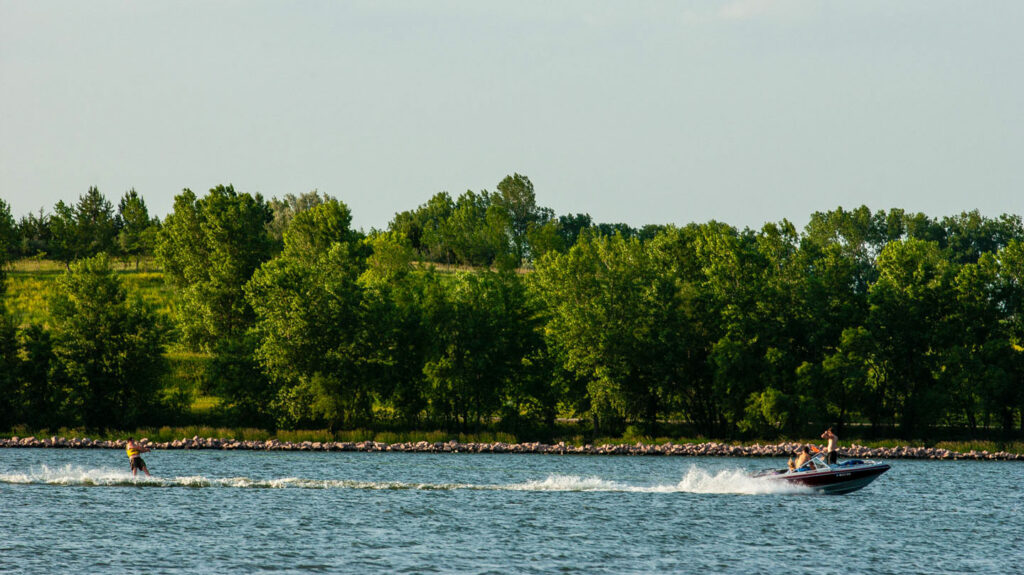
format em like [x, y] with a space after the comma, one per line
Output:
[990, 446]
[30, 283]
[297, 436]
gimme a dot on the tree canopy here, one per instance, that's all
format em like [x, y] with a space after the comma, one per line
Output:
[892, 320]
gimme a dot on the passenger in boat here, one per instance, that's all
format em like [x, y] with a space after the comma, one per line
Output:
[831, 452]
[135, 461]
[803, 458]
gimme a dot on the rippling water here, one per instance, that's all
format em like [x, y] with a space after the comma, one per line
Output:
[80, 511]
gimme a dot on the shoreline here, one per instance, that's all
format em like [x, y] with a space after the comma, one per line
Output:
[707, 449]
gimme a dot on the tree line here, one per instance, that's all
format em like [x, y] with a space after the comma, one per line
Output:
[888, 319]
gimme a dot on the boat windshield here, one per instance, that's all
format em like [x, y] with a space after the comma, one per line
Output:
[816, 463]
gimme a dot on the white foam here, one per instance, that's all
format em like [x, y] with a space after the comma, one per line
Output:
[696, 480]
[73, 475]
[568, 483]
[699, 480]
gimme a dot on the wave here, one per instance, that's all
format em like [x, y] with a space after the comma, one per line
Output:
[696, 480]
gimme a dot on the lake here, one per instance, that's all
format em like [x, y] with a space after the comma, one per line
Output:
[80, 511]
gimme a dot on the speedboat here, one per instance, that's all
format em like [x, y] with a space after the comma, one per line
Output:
[832, 479]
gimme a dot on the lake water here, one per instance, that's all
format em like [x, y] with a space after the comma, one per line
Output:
[80, 511]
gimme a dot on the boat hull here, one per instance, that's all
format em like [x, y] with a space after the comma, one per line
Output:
[834, 481]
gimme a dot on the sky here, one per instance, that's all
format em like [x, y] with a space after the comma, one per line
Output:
[741, 111]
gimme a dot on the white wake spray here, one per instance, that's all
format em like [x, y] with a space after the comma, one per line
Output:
[696, 480]
[699, 480]
[73, 475]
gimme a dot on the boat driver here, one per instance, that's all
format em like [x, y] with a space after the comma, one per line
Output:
[804, 457]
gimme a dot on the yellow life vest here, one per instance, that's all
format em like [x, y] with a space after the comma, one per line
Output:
[131, 451]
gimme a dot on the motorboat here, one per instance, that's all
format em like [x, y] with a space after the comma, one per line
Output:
[831, 479]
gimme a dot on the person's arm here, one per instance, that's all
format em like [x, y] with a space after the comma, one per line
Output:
[143, 449]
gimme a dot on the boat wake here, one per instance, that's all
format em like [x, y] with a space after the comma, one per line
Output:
[696, 480]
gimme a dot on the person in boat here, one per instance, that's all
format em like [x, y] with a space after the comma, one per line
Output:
[803, 458]
[135, 452]
[831, 452]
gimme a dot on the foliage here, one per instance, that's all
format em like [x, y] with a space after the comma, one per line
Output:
[8, 236]
[887, 322]
[285, 209]
[137, 236]
[109, 346]
[209, 248]
[482, 329]
[307, 307]
[34, 235]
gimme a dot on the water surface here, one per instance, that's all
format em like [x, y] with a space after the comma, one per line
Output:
[64, 511]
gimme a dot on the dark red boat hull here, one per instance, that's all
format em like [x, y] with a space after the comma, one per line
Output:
[838, 481]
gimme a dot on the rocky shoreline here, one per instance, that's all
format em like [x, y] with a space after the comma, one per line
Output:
[709, 449]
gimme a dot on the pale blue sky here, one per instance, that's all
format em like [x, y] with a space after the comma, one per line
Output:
[742, 111]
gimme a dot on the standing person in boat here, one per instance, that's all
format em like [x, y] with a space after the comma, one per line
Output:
[831, 452]
[135, 452]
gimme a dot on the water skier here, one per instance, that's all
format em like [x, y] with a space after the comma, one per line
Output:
[134, 456]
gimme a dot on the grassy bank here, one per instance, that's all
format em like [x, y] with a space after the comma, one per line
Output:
[166, 433]
[30, 283]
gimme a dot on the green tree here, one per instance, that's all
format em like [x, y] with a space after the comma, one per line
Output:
[519, 201]
[977, 360]
[857, 236]
[731, 285]
[478, 231]
[44, 390]
[426, 228]
[209, 248]
[481, 333]
[137, 236]
[907, 304]
[285, 209]
[544, 238]
[617, 311]
[315, 230]
[308, 328]
[969, 235]
[10, 364]
[570, 226]
[9, 236]
[611, 229]
[9, 360]
[64, 244]
[109, 345]
[397, 335]
[34, 235]
[95, 224]
[1008, 394]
